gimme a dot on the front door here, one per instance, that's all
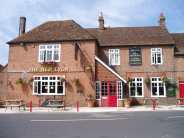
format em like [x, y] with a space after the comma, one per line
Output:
[108, 94]
[112, 97]
[181, 86]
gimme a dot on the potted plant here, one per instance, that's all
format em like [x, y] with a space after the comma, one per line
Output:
[147, 81]
[127, 102]
[129, 80]
[88, 68]
[79, 87]
[90, 100]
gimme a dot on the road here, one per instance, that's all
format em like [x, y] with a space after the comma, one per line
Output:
[154, 124]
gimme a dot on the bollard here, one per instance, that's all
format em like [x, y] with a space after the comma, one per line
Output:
[154, 103]
[30, 106]
[77, 106]
[39, 103]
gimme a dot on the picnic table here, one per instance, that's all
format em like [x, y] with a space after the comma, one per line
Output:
[56, 103]
[14, 103]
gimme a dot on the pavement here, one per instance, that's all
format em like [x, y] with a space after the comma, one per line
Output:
[93, 109]
[161, 124]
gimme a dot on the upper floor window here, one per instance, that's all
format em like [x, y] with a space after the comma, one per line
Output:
[157, 87]
[156, 56]
[49, 53]
[135, 57]
[114, 57]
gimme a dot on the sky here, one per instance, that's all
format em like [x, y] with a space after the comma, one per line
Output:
[85, 12]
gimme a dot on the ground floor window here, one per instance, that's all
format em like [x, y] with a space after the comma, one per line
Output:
[98, 89]
[48, 85]
[120, 89]
[136, 87]
[157, 87]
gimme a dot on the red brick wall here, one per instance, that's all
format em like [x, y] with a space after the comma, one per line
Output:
[103, 73]
[146, 69]
[23, 58]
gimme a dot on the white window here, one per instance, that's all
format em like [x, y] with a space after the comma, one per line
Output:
[120, 90]
[114, 57]
[156, 56]
[98, 89]
[48, 85]
[157, 87]
[136, 87]
[49, 53]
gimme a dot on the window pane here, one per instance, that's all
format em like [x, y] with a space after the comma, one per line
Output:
[44, 87]
[154, 91]
[97, 90]
[161, 91]
[60, 89]
[35, 87]
[120, 90]
[52, 87]
[139, 91]
[104, 89]
[42, 55]
[49, 55]
[114, 57]
[56, 55]
[132, 91]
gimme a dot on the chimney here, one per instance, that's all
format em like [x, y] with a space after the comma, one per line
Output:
[22, 25]
[101, 21]
[162, 20]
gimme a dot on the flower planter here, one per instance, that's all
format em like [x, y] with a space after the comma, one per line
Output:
[90, 103]
[127, 103]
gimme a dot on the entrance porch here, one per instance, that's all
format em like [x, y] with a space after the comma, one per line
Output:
[109, 93]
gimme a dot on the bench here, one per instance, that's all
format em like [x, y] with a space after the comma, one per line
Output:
[180, 101]
[14, 103]
[56, 104]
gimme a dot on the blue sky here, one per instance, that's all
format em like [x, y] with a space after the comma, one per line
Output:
[85, 12]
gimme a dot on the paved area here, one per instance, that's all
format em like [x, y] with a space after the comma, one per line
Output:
[94, 109]
[155, 124]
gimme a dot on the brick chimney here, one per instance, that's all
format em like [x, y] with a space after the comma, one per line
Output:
[101, 22]
[162, 20]
[22, 25]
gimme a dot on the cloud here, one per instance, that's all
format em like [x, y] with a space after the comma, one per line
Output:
[85, 12]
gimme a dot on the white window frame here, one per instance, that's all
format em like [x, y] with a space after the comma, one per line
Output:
[136, 95]
[114, 57]
[154, 54]
[99, 92]
[48, 81]
[46, 49]
[119, 90]
[157, 81]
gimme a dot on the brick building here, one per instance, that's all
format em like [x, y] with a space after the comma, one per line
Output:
[62, 60]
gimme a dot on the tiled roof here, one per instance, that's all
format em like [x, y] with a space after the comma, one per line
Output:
[53, 31]
[132, 36]
[1, 67]
[179, 41]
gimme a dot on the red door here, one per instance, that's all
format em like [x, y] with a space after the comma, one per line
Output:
[108, 94]
[112, 94]
[181, 86]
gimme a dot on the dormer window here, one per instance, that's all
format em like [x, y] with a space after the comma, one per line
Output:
[49, 53]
